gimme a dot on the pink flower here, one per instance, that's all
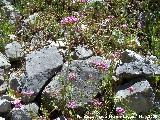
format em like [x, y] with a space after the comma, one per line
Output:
[131, 89]
[72, 76]
[96, 103]
[109, 18]
[124, 26]
[28, 92]
[116, 55]
[120, 111]
[68, 20]
[71, 104]
[139, 24]
[17, 103]
[100, 65]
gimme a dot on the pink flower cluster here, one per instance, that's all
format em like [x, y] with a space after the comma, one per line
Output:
[71, 104]
[96, 103]
[130, 89]
[68, 20]
[116, 55]
[100, 65]
[124, 26]
[120, 111]
[72, 76]
[28, 92]
[17, 104]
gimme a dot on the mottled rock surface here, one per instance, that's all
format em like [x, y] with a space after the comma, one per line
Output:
[82, 52]
[5, 105]
[14, 51]
[40, 67]
[135, 69]
[81, 79]
[138, 96]
[4, 62]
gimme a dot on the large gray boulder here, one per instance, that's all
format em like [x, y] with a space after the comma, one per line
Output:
[40, 67]
[137, 96]
[4, 62]
[81, 79]
[14, 51]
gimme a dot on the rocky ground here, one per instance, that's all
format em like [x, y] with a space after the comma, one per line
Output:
[34, 77]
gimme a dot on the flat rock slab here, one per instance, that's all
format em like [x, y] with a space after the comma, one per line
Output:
[40, 67]
[138, 96]
[136, 69]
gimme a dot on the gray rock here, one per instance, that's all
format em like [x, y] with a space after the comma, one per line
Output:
[14, 51]
[152, 59]
[60, 118]
[40, 67]
[82, 52]
[138, 96]
[3, 88]
[5, 106]
[136, 69]
[20, 114]
[60, 43]
[4, 62]
[82, 87]
[14, 82]
[130, 56]
[1, 76]
[6, 97]
[25, 112]
[32, 109]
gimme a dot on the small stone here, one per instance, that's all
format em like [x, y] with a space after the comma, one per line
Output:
[82, 52]
[14, 51]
